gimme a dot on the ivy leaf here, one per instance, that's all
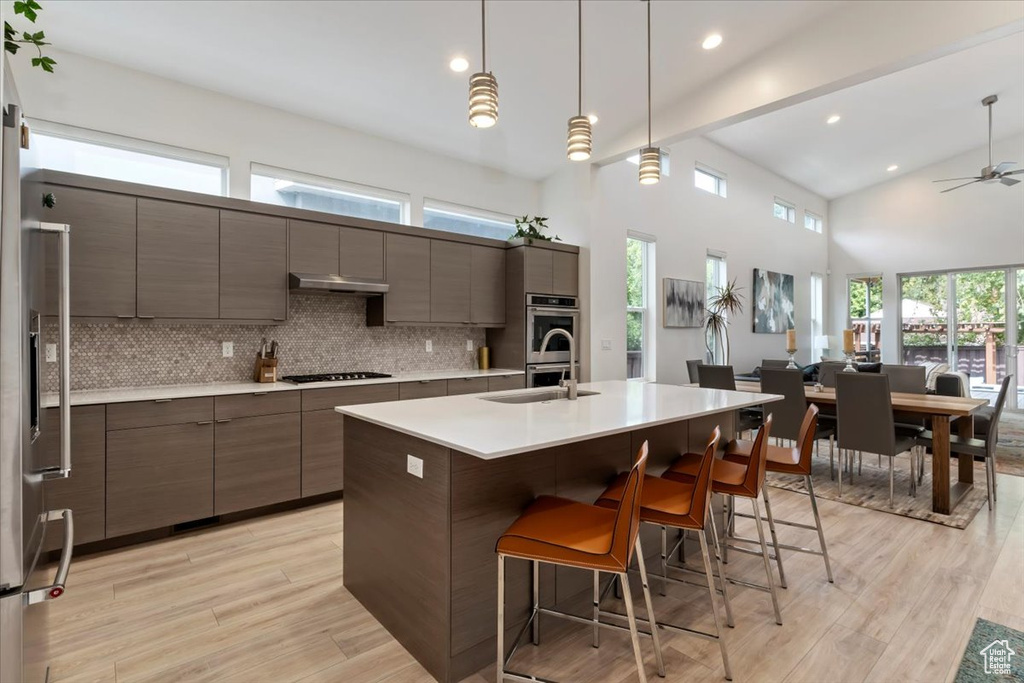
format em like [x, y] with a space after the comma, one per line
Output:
[11, 47]
[36, 37]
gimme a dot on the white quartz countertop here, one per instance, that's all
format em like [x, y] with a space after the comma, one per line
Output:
[152, 393]
[490, 430]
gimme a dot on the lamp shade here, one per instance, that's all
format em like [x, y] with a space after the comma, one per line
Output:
[580, 138]
[823, 341]
[483, 100]
[650, 165]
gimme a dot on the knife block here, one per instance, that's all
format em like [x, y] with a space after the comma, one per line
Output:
[266, 370]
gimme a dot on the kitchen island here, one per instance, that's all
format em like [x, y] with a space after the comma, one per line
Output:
[430, 484]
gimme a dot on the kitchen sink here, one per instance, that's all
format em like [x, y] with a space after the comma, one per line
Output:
[537, 396]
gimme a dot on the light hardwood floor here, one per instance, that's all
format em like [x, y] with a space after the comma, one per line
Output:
[263, 600]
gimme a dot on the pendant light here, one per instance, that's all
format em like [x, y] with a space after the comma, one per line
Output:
[650, 156]
[580, 136]
[483, 87]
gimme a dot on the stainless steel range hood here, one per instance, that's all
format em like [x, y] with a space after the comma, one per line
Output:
[320, 282]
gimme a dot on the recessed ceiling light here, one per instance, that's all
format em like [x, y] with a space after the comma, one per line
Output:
[593, 118]
[833, 119]
[712, 41]
[892, 168]
[459, 64]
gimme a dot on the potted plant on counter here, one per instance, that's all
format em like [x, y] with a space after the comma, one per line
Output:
[530, 229]
[726, 302]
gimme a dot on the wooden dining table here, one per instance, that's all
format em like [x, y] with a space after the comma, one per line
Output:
[943, 410]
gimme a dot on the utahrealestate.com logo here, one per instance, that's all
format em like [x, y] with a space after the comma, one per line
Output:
[997, 656]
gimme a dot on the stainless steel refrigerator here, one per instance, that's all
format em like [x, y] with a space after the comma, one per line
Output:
[27, 584]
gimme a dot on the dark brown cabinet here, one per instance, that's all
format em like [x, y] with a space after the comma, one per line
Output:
[423, 389]
[253, 266]
[565, 277]
[323, 454]
[158, 476]
[313, 248]
[178, 260]
[257, 461]
[450, 271]
[467, 385]
[487, 286]
[84, 492]
[102, 252]
[551, 272]
[408, 274]
[362, 254]
[506, 383]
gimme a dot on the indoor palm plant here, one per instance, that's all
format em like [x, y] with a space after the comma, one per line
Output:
[726, 302]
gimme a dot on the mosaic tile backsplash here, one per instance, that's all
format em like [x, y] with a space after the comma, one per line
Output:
[324, 333]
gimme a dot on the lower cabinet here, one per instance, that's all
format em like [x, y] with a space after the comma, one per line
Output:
[159, 476]
[84, 491]
[257, 461]
[323, 464]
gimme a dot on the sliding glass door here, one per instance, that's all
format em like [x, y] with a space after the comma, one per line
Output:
[864, 298]
[980, 339]
[924, 302]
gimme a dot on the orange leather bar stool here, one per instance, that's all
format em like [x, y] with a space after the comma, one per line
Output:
[795, 461]
[684, 506]
[571, 534]
[733, 480]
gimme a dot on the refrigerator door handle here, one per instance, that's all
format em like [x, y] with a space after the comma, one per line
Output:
[63, 233]
[56, 589]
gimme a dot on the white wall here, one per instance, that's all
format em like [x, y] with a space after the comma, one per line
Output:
[686, 223]
[101, 96]
[906, 225]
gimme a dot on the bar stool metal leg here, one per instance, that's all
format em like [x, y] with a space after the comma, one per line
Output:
[651, 619]
[634, 634]
[817, 523]
[597, 608]
[721, 572]
[775, 537]
[702, 535]
[536, 602]
[767, 563]
[501, 618]
[664, 559]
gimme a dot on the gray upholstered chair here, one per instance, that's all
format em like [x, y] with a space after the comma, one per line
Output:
[905, 379]
[691, 369]
[827, 373]
[790, 412]
[864, 409]
[722, 377]
[949, 384]
[981, 448]
[770, 363]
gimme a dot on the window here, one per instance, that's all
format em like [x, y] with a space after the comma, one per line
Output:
[639, 316]
[819, 342]
[715, 279]
[78, 150]
[302, 191]
[785, 211]
[708, 180]
[467, 221]
[864, 297]
[813, 221]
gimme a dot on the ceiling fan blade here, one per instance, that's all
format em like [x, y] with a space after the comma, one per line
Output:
[1019, 170]
[1005, 166]
[947, 180]
[1009, 181]
[959, 186]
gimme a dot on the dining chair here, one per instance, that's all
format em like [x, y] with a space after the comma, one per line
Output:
[691, 369]
[827, 372]
[864, 409]
[722, 377]
[772, 363]
[981, 448]
[789, 413]
[949, 384]
[908, 379]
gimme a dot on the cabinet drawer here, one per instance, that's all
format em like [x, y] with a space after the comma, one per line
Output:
[322, 399]
[257, 462]
[424, 389]
[323, 457]
[158, 477]
[257, 403]
[507, 382]
[159, 412]
[467, 385]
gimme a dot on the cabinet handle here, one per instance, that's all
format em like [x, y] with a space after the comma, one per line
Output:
[224, 420]
[128, 317]
[424, 381]
[279, 320]
[205, 422]
[259, 393]
[146, 317]
[163, 400]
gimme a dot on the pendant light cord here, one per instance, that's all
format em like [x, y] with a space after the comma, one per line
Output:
[579, 27]
[648, 73]
[483, 32]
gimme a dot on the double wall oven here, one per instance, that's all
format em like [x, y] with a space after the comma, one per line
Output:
[543, 314]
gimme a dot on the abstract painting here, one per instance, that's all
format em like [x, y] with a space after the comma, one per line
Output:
[773, 302]
[684, 303]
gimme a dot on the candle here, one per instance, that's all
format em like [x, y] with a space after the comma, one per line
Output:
[791, 340]
[847, 341]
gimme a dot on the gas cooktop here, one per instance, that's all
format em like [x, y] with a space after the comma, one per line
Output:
[333, 377]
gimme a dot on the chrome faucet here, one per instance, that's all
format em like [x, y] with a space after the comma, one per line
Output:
[570, 383]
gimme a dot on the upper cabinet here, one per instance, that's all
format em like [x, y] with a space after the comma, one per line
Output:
[450, 269]
[253, 266]
[312, 248]
[178, 260]
[565, 276]
[102, 251]
[362, 254]
[487, 286]
[551, 272]
[408, 276]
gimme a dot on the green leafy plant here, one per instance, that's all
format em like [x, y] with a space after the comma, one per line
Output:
[12, 42]
[726, 302]
[529, 228]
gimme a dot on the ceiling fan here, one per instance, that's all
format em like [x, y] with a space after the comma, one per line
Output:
[990, 173]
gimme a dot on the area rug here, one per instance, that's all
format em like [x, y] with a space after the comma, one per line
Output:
[1010, 449]
[994, 653]
[870, 488]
